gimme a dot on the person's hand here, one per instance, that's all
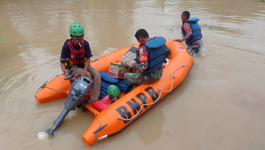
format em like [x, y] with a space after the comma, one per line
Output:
[66, 74]
[83, 73]
[92, 101]
[134, 68]
[179, 40]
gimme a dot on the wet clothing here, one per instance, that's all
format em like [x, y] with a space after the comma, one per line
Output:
[194, 28]
[194, 43]
[195, 46]
[139, 76]
[78, 64]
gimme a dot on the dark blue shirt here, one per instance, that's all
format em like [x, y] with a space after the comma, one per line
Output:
[66, 52]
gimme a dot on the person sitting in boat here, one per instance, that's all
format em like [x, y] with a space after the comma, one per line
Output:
[150, 56]
[78, 51]
[191, 32]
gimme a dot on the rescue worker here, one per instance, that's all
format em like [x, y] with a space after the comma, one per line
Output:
[78, 51]
[150, 56]
[191, 32]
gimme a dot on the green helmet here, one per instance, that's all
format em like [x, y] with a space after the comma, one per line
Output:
[113, 91]
[76, 29]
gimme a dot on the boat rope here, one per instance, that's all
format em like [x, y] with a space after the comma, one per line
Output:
[56, 90]
[171, 43]
[94, 59]
[100, 126]
[44, 86]
[133, 116]
[160, 93]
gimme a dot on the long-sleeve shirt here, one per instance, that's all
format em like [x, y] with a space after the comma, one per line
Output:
[143, 59]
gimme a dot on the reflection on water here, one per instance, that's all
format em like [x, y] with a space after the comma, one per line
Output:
[154, 126]
[213, 109]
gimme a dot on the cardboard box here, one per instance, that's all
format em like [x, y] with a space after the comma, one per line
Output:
[118, 70]
[128, 59]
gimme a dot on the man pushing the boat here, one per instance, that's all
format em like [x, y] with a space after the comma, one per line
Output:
[150, 56]
[191, 32]
[78, 51]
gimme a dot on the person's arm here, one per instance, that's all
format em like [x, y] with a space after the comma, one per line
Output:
[64, 54]
[168, 51]
[188, 35]
[88, 54]
[65, 72]
[86, 66]
[143, 59]
[188, 30]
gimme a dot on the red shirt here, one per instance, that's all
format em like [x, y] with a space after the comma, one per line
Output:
[187, 28]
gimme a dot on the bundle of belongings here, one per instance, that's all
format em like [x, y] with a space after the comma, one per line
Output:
[129, 58]
[107, 80]
[115, 76]
[125, 65]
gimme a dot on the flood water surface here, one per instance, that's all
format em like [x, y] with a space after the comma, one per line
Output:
[220, 105]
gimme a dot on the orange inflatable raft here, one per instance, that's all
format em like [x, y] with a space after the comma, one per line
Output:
[131, 106]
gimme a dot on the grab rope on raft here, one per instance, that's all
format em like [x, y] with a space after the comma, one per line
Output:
[44, 86]
[100, 126]
[160, 93]
[56, 90]
[106, 136]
